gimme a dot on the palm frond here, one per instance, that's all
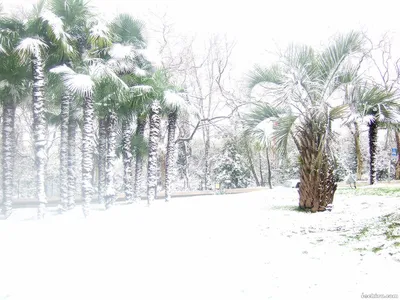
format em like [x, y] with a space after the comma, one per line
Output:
[282, 132]
[261, 75]
[30, 46]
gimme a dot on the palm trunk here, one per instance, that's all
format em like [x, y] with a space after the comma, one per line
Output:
[358, 151]
[39, 131]
[397, 134]
[87, 153]
[251, 164]
[110, 160]
[127, 159]
[71, 156]
[260, 167]
[102, 160]
[169, 162]
[372, 139]
[8, 155]
[154, 137]
[141, 125]
[269, 168]
[65, 100]
[317, 185]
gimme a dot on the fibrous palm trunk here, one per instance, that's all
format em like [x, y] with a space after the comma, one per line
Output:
[372, 140]
[127, 160]
[109, 195]
[317, 184]
[154, 137]
[102, 160]
[64, 151]
[71, 156]
[39, 130]
[358, 151]
[87, 153]
[141, 125]
[169, 161]
[8, 139]
[269, 168]
[262, 183]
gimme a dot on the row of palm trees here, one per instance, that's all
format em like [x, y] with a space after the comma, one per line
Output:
[95, 71]
[309, 90]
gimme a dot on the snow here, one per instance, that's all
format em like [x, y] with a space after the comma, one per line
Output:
[244, 246]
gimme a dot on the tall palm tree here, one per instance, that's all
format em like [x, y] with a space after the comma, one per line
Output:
[42, 30]
[304, 84]
[380, 108]
[89, 85]
[128, 38]
[76, 15]
[174, 105]
[14, 87]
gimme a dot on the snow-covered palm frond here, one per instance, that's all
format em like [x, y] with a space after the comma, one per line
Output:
[142, 89]
[62, 70]
[140, 72]
[119, 51]
[55, 24]
[100, 35]
[99, 71]
[30, 46]
[79, 84]
[174, 101]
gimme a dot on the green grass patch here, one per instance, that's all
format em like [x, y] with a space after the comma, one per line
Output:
[377, 249]
[370, 191]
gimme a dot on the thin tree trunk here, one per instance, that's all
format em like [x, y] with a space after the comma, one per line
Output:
[154, 137]
[141, 125]
[127, 159]
[102, 160]
[397, 134]
[357, 144]
[87, 154]
[373, 138]
[169, 162]
[260, 167]
[207, 158]
[251, 165]
[39, 130]
[71, 155]
[65, 100]
[8, 139]
[269, 168]
[110, 193]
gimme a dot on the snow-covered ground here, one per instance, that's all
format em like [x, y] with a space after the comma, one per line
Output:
[244, 246]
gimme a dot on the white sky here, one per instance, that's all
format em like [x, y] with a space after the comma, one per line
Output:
[258, 26]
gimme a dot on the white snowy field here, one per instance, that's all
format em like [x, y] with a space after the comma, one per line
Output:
[244, 246]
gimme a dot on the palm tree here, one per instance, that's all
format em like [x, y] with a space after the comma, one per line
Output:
[380, 108]
[90, 85]
[14, 87]
[304, 84]
[174, 105]
[75, 15]
[43, 29]
[128, 38]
